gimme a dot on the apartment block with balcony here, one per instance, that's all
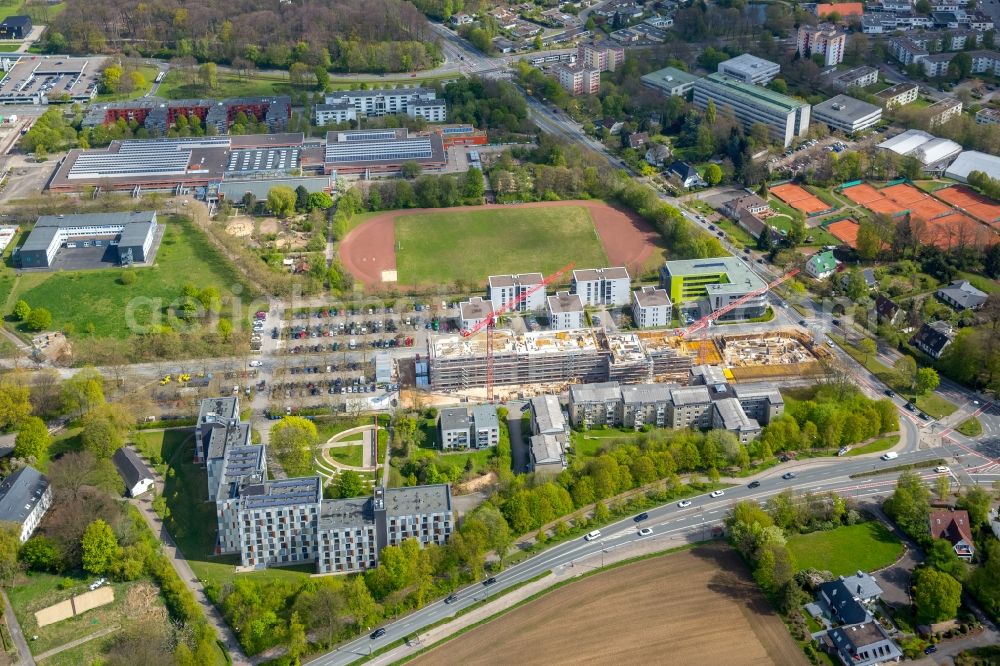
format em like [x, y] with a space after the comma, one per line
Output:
[602, 286]
[503, 289]
[786, 118]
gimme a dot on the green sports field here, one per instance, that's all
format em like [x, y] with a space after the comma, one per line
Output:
[468, 246]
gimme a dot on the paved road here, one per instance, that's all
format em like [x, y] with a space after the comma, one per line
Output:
[518, 449]
[16, 633]
[667, 520]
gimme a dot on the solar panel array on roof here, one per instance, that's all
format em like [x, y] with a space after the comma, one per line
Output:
[264, 159]
[372, 135]
[153, 161]
[377, 151]
[461, 129]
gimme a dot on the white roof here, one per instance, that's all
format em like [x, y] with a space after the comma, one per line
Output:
[936, 150]
[906, 142]
[972, 160]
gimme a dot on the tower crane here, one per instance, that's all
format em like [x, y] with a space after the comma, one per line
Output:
[489, 322]
[709, 318]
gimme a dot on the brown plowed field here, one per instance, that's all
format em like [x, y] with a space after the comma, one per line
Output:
[369, 249]
[696, 607]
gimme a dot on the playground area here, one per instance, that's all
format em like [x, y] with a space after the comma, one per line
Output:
[800, 199]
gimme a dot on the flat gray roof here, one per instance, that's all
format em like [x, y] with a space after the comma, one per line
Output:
[669, 77]
[380, 92]
[645, 394]
[747, 64]
[752, 391]
[615, 273]
[350, 513]
[649, 297]
[690, 395]
[20, 492]
[563, 301]
[282, 493]
[600, 392]
[454, 418]
[485, 416]
[418, 500]
[845, 108]
[522, 279]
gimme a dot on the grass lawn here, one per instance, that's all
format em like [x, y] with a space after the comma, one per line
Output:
[347, 455]
[459, 246]
[736, 234]
[934, 405]
[590, 442]
[882, 444]
[970, 427]
[457, 460]
[191, 518]
[148, 73]
[980, 282]
[81, 298]
[327, 428]
[819, 235]
[176, 85]
[844, 550]
[9, 47]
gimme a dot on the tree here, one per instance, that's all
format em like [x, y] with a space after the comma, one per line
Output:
[39, 553]
[906, 371]
[225, 329]
[942, 487]
[281, 201]
[10, 541]
[301, 199]
[960, 66]
[101, 551]
[39, 319]
[320, 201]
[209, 75]
[111, 78]
[293, 439]
[936, 595]
[977, 502]
[856, 285]
[926, 381]
[713, 174]
[83, 391]
[910, 505]
[472, 184]
[32, 439]
[867, 346]
[322, 77]
[410, 169]
[796, 231]
[15, 403]
[21, 311]
[868, 241]
[350, 484]
[297, 643]
[100, 437]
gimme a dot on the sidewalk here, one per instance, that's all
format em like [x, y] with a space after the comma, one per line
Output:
[79, 641]
[16, 633]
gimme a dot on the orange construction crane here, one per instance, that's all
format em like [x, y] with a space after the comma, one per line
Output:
[706, 320]
[490, 321]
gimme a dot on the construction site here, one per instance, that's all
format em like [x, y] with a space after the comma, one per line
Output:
[548, 361]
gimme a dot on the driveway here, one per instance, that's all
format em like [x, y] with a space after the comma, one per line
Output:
[518, 447]
[895, 579]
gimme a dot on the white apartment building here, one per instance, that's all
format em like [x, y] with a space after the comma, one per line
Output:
[898, 95]
[25, 496]
[578, 79]
[785, 117]
[987, 116]
[651, 307]
[565, 311]
[502, 289]
[431, 110]
[856, 77]
[339, 112]
[380, 102]
[474, 311]
[825, 40]
[942, 111]
[750, 69]
[601, 58]
[602, 286]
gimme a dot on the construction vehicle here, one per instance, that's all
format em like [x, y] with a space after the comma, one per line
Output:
[166, 380]
[489, 323]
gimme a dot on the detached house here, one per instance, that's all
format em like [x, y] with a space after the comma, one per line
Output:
[848, 600]
[961, 295]
[686, 174]
[888, 312]
[821, 265]
[865, 644]
[954, 526]
[933, 338]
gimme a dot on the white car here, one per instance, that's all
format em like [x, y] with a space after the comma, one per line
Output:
[717, 493]
[684, 504]
[255, 364]
[942, 469]
[645, 531]
[97, 583]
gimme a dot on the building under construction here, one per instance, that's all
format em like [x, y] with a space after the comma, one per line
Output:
[552, 357]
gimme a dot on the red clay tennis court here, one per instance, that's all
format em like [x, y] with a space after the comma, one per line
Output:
[800, 199]
[902, 193]
[953, 231]
[861, 194]
[896, 199]
[972, 202]
[845, 231]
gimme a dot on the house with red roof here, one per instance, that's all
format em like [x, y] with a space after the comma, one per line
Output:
[954, 526]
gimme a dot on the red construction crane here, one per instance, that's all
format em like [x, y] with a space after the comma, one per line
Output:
[704, 321]
[489, 322]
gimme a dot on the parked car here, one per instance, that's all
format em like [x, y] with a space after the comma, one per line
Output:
[942, 469]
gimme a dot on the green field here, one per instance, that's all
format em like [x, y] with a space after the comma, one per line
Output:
[148, 73]
[844, 550]
[970, 427]
[881, 444]
[96, 297]
[467, 246]
[590, 442]
[934, 405]
[9, 47]
[352, 456]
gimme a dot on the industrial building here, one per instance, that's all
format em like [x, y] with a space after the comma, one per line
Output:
[749, 69]
[825, 40]
[456, 362]
[381, 151]
[275, 522]
[714, 283]
[130, 234]
[25, 496]
[670, 81]
[33, 79]
[973, 160]
[503, 289]
[651, 308]
[785, 117]
[602, 286]
[158, 116]
[847, 114]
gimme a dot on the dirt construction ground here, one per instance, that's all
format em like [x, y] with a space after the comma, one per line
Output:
[368, 250]
[693, 607]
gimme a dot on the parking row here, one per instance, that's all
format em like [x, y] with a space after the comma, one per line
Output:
[359, 385]
[351, 345]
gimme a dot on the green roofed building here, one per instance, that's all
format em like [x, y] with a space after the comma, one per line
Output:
[716, 282]
[670, 81]
[821, 265]
[785, 117]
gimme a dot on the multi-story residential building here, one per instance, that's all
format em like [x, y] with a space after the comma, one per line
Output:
[600, 57]
[502, 289]
[651, 307]
[826, 40]
[214, 413]
[717, 280]
[602, 286]
[457, 429]
[906, 51]
[547, 416]
[578, 79]
[485, 427]
[942, 111]
[565, 311]
[785, 117]
[595, 404]
[431, 110]
[474, 311]
[646, 405]
[380, 102]
[760, 401]
[727, 414]
[936, 64]
[25, 496]
[898, 95]
[286, 521]
[856, 77]
[546, 454]
[988, 116]
[338, 112]
[847, 114]
[749, 69]
[985, 62]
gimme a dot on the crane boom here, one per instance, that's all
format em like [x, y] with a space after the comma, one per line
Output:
[704, 321]
[489, 322]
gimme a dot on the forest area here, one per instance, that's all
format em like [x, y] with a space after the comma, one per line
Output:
[348, 36]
